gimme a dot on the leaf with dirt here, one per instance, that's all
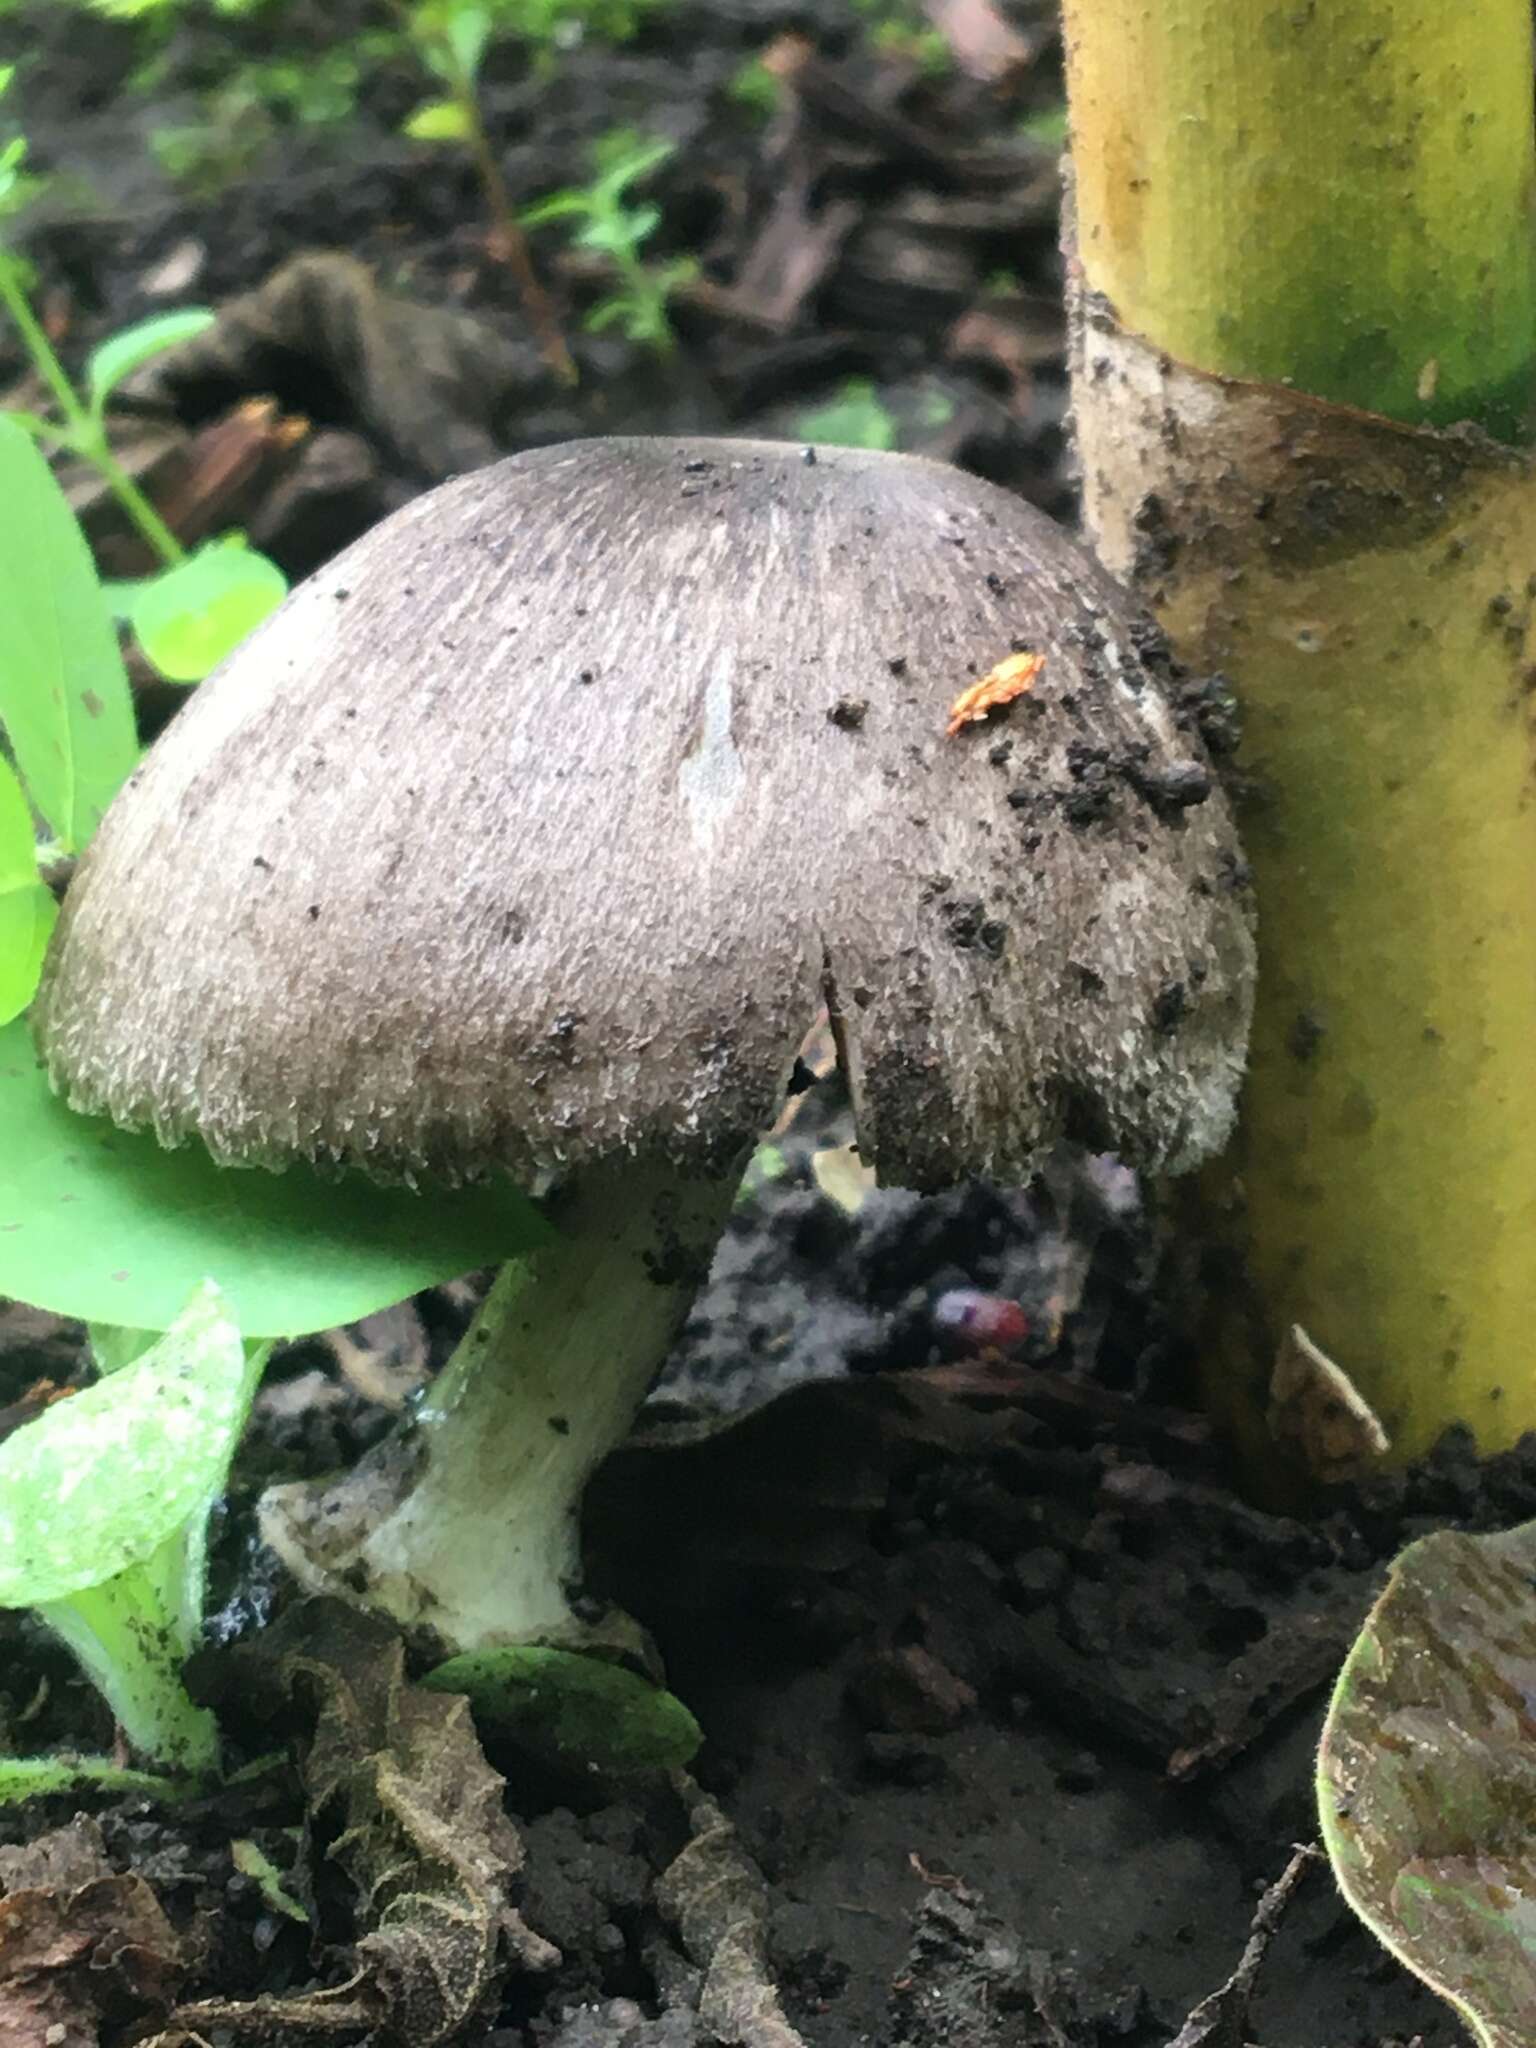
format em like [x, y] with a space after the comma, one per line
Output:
[400, 1796]
[714, 1895]
[1427, 1775]
[80, 1946]
[560, 1706]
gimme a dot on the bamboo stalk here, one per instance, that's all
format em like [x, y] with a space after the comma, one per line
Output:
[1333, 196]
[1334, 203]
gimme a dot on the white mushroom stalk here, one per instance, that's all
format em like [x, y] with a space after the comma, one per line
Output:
[464, 1524]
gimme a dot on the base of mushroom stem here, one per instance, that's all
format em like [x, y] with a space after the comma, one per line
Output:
[463, 1524]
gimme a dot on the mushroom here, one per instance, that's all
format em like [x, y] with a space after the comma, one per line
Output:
[530, 835]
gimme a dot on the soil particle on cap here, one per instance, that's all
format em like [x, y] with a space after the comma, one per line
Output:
[971, 930]
[849, 713]
[1169, 787]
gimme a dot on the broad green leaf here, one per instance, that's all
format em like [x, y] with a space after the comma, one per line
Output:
[106, 1225]
[570, 1709]
[101, 1480]
[438, 121]
[27, 908]
[1426, 1778]
[123, 354]
[64, 698]
[188, 618]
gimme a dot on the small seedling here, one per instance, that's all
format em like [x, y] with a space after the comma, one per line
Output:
[610, 225]
[451, 37]
[207, 600]
[104, 1503]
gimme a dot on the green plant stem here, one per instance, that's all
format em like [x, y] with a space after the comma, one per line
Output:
[1337, 197]
[508, 240]
[45, 1777]
[1281, 204]
[81, 431]
[132, 1634]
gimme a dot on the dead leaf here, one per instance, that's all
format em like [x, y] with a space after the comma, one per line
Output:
[1315, 1409]
[842, 1176]
[714, 1895]
[397, 1785]
[427, 383]
[1011, 678]
[80, 1946]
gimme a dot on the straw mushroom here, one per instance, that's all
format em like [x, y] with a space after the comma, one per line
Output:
[530, 835]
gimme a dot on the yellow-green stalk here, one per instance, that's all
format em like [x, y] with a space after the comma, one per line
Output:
[1304, 247]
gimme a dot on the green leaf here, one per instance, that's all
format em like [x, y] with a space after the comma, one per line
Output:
[64, 698]
[27, 908]
[570, 1709]
[189, 617]
[100, 1481]
[452, 37]
[468, 30]
[438, 121]
[1427, 1775]
[620, 233]
[558, 206]
[123, 353]
[106, 1225]
[113, 1345]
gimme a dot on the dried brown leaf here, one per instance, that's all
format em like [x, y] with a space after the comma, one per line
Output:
[715, 1896]
[398, 1787]
[80, 1946]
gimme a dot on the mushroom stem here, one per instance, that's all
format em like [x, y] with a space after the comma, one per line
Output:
[465, 1521]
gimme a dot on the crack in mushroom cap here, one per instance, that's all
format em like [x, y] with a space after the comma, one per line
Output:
[538, 826]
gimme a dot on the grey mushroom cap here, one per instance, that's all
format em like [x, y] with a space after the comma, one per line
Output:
[538, 827]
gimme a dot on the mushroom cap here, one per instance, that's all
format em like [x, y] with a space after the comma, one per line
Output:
[540, 824]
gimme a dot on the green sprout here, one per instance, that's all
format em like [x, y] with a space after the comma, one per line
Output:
[201, 604]
[611, 226]
[451, 37]
[104, 1504]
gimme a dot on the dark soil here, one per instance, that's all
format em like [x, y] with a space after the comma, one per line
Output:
[1008, 1693]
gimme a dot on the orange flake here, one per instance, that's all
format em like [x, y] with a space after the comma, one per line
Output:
[1000, 685]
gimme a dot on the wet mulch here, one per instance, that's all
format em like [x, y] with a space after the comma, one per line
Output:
[1008, 1695]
